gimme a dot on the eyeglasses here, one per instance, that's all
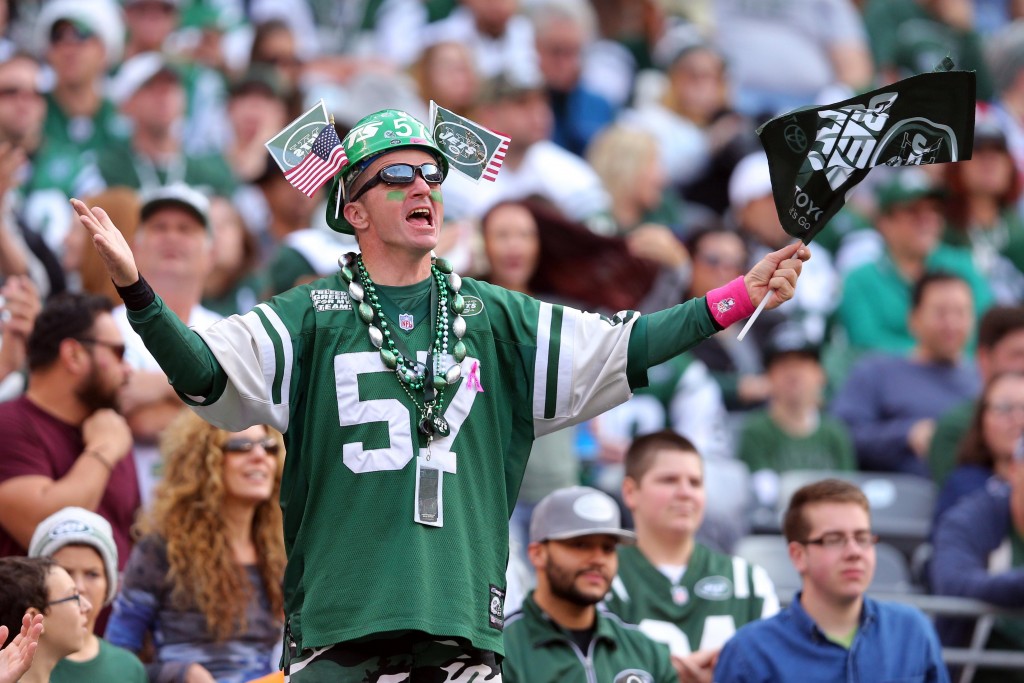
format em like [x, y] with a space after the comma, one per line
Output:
[271, 446]
[1006, 409]
[117, 349]
[77, 597]
[401, 174]
[834, 540]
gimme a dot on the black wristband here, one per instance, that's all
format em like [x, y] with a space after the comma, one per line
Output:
[137, 295]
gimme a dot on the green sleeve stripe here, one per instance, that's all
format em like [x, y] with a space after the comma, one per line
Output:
[545, 368]
[636, 355]
[275, 358]
[554, 350]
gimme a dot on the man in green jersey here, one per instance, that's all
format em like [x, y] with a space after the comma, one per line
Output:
[678, 591]
[560, 634]
[409, 398]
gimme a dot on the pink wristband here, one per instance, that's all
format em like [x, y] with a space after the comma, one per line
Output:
[730, 303]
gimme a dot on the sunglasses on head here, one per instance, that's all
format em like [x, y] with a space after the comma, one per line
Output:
[401, 174]
[268, 444]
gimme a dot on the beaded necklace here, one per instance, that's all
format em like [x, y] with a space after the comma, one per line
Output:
[430, 378]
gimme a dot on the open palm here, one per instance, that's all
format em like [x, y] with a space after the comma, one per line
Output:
[16, 658]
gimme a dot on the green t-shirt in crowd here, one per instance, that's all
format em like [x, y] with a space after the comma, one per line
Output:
[765, 446]
[113, 663]
[875, 306]
[121, 166]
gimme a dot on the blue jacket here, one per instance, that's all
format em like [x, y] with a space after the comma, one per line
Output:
[894, 643]
[964, 538]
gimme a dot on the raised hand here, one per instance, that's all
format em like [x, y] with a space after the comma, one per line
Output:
[111, 245]
[16, 658]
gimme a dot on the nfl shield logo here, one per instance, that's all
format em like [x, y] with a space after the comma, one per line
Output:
[405, 321]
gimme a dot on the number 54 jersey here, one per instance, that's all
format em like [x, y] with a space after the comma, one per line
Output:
[358, 563]
[716, 595]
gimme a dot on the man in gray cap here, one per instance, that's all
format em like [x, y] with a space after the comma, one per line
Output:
[560, 634]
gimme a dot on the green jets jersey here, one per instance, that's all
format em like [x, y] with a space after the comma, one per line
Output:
[358, 563]
[716, 595]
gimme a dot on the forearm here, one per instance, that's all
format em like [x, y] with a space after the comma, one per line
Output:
[880, 443]
[190, 366]
[28, 500]
[12, 254]
[673, 331]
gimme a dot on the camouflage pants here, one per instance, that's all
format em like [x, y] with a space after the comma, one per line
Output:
[408, 659]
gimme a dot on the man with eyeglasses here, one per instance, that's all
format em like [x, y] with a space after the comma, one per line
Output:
[64, 443]
[410, 398]
[832, 631]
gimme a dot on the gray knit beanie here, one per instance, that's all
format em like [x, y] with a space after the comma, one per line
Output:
[78, 526]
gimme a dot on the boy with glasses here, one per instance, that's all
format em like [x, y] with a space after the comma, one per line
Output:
[410, 397]
[832, 631]
[38, 585]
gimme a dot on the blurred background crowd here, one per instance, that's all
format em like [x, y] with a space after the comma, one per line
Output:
[634, 180]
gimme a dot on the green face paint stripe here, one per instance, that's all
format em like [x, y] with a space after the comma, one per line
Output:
[436, 196]
[396, 196]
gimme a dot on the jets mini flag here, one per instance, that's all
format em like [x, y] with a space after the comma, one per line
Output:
[817, 155]
[309, 150]
[471, 149]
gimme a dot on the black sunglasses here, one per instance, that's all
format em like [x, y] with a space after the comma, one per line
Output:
[117, 349]
[268, 444]
[401, 174]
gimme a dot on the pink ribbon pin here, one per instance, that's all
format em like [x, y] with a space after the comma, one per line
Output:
[473, 381]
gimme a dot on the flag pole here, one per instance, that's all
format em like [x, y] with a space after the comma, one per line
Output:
[757, 312]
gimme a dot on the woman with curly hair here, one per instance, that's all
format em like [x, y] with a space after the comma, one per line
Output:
[204, 581]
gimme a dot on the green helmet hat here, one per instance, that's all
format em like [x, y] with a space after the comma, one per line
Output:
[381, 132]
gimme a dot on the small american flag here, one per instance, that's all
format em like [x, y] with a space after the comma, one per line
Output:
[324, 159]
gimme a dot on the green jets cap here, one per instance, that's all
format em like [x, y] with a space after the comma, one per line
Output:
[381, 132]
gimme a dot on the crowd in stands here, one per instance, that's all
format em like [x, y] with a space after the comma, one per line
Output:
[634, 180]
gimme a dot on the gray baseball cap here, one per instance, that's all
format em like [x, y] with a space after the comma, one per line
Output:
[178, 195]
[577, 511]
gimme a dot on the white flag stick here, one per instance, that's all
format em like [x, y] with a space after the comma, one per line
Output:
[757, 311]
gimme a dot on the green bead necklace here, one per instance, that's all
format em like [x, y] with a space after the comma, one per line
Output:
[413, 375]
